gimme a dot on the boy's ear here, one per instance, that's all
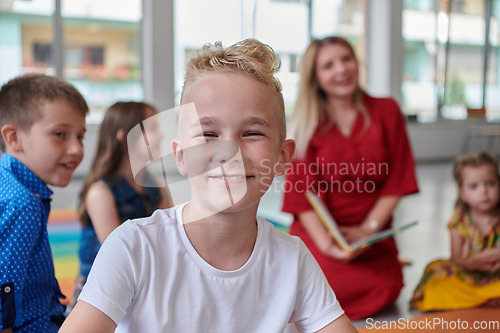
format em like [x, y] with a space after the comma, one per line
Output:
[286, 155]
[10, 135]
[179, 156]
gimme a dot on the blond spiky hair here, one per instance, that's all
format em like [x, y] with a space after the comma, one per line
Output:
[249, 57]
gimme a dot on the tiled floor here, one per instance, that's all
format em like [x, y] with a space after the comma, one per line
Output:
[432, 207]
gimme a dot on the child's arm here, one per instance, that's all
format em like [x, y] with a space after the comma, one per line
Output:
[20, 229]
[487, 260]
[7, 330]
[341, 324]
[101, 208]
[86, 318]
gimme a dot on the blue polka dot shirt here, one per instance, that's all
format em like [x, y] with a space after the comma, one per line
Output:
[29, 290]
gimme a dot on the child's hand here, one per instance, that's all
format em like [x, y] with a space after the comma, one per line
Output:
[492, 257]
[486, 261]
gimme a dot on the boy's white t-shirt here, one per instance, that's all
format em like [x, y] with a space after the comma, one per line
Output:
[148, 277]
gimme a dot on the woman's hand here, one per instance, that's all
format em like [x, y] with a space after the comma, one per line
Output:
[333, 251]
[324, 240]
[354, 233]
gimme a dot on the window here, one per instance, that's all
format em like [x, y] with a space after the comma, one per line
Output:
[294, 63]
[282, 24]
[73, 56]
[349, 11]
[452, 80]
[42, 53]
[492, 101]
[101, 46]
[21, 49]
[458, 7]
[102, 54]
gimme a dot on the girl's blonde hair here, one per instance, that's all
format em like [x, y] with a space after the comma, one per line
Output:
[311, 101]
[110, 152]
[249, 57]
[472, 160]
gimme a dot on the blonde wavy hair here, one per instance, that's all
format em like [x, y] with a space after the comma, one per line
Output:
[310, 107]
[249, 57]
[472, 161]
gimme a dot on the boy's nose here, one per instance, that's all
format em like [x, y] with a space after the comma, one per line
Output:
[75, 148]
[223, 151]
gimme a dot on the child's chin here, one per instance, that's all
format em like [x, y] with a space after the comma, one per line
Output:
[60, 182]
[223, 204]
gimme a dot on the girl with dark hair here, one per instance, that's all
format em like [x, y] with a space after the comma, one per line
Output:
[110, 194]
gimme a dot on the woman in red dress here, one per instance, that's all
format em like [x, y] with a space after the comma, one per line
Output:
[352, 150]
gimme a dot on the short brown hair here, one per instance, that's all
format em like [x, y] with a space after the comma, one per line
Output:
[473, 160]
[22, 99]
[248, 57]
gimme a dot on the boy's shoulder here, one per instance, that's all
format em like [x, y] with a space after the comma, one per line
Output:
[284, 239]
[291, 248]
[13, 191]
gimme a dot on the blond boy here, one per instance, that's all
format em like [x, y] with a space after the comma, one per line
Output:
[42, 121]
[210, 266]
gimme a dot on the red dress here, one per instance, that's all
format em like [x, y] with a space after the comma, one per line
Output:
[351, 173]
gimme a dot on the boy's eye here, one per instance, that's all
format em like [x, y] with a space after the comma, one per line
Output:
[472, 186]
[80, 137]
[60, 134]
[252, 133]
[209, 135]
[491, 183]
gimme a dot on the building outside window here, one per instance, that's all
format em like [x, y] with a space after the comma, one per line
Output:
[101, 46]
[427, 64]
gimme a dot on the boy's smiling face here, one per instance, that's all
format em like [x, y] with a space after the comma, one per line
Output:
[53, 148]
[233, 135]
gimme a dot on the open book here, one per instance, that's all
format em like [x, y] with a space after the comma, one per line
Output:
[331, 225]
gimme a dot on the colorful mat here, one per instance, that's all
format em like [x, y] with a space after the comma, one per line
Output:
[64, 235]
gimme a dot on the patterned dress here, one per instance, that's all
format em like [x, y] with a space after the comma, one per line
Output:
[447, 286]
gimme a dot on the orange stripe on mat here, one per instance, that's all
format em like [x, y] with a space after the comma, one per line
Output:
[62, 215]
[487, 319]
[66, 288]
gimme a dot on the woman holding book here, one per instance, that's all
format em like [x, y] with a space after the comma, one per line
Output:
[353, 151]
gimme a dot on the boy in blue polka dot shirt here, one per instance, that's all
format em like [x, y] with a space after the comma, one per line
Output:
[42, 121]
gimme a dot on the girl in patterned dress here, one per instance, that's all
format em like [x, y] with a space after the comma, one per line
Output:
[472, 277]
